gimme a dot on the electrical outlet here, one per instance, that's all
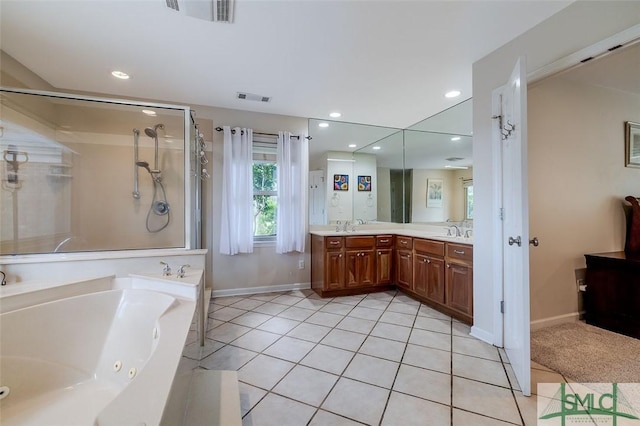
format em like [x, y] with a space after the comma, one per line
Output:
[301, 264]
[580, 283]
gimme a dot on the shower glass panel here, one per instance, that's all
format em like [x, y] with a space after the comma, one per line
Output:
[89, 174]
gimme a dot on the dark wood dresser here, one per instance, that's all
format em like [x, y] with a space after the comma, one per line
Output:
[612, 299]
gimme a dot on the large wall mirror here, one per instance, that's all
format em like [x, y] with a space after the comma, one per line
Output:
[364, 173]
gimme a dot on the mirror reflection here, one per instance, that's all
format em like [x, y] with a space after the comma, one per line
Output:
[364, 174]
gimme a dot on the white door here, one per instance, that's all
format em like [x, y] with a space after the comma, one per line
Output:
[515, 225]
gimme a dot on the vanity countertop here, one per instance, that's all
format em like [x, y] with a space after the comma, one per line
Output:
[429, 232]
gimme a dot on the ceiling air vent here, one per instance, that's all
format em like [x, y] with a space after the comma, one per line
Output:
[209, 10]
[252, 97]
[454, 159]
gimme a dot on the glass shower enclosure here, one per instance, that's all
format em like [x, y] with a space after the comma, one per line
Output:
[83, 173]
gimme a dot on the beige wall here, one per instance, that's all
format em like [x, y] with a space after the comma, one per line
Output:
[453, 195]
[577, 181]
[264, 267]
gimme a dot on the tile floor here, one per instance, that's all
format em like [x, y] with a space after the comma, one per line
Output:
[377, 359]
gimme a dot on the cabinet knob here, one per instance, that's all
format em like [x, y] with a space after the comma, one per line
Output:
[448, 265]
[379, 253]
[340, 255]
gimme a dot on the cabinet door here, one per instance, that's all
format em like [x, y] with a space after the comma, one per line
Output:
[435, 279]
[360, 270]
[420, 274]
[404, 267]
[460, 288]
[384, 266]
[334, 272]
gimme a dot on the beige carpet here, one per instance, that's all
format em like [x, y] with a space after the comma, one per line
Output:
[584, 353]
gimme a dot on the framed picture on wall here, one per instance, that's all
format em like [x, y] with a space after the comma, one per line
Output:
[434, 192]
[632, 144]
[364, 183]
[340, 182]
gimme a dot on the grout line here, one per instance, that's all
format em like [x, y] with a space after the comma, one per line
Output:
[451, 383]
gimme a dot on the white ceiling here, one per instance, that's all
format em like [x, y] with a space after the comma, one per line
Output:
[378, 62]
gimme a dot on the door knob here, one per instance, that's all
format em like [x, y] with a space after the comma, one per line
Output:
[516, 240]
[534, 242]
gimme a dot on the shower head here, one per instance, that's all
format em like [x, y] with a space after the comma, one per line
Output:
[143, 164]
[153, 132]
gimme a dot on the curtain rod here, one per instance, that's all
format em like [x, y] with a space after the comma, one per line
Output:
[219, 129]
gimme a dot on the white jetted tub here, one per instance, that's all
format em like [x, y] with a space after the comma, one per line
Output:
[105, 357]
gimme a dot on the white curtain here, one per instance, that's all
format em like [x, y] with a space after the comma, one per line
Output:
[236, 228]
[293, 158]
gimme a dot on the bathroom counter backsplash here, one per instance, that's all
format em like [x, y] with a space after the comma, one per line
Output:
[428, 231]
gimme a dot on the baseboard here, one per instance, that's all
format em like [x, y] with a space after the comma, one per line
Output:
[481, 334]
[262, 289]
[560, 319]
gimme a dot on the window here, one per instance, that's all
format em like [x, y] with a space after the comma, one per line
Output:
[265, 191]
[468, 199]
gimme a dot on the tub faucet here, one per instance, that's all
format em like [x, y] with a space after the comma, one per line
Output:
[166, 271]
[181, 272]
[4, 278]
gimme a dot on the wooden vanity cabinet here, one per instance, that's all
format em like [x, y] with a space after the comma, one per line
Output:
[384, 259]
[428, 270]
[360, 257]
[404, 262]
[459, 279]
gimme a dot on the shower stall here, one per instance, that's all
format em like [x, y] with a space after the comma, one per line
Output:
[78, 175]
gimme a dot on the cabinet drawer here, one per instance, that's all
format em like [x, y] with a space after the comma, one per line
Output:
[435, 248]
[404, 242]
[384, 240]
[333, 243]
[460, 251]
[360, 242]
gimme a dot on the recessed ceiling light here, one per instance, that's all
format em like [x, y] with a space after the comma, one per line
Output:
[455, 138]
[323, 124]
[149, 112]
[376, 148]
[335, 115]
[452, 94]
[352, 145]
[121, 75]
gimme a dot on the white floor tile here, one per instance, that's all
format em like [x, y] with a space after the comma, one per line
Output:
[247, 304]
[482, 370]
[324, 318]
[336, 308]
[408, 410]
[376, 371]
[197, 352]
[329, 359]
[391, 331]
[475, 347]
[265, 297]
[270, 308]
[256, 340]
[425, 357]
[433, 324]
[365, 313]
[285, 299]
[278, 325]
[251, 319]
[313, 304]
[431, 339]
[289, 349]
[295, 313]
[350, 300]
[344, 339]
[464, 418]
[488, 400]
[403, 308]
[276, 410]
[309, 332]
[325, 418]
[383, 348]
[306, 385]
[228, 358]
[355, 400]
[227, 332]
[264, 371]
[422, 383]
[426, 311]
[225, 314]
[374, 304]
[398, 318]
[357, 325]
[249, 397]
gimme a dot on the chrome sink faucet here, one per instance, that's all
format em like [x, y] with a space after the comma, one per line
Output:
[166, 271]
[458, 231]
[346, 225]
[181, 271]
